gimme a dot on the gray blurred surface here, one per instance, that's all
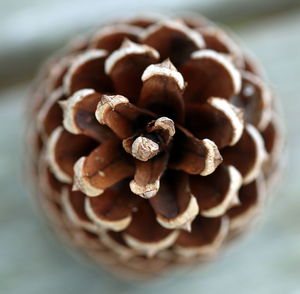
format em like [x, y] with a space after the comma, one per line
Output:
[267, 261]
[32, 29]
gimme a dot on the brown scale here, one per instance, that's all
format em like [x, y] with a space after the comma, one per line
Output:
[255, 98]
[113, 40]
[87, 72]
[251, 197]
[213, 189]
[51, 115]
[63, 154]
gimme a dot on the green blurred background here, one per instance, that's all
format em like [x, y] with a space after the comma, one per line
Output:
[33, 261]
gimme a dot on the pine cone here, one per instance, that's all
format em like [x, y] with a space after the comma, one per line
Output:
[153, 142]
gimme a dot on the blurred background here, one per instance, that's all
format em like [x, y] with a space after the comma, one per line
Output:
[32, 261]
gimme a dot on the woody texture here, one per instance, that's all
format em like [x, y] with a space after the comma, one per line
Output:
[153, 143]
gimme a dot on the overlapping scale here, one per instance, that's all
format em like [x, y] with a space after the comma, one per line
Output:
[217, 192]
[79, 115]
[104, 166]
[173, 39]
[121, 116]
[112, 210]
[126, 65]
[205, 238]
[251, 197]
[62, 155]
[50, 115]
[111, 37]
[145, 234]
[87, 71]
[194, 156]
[162, 91]
[217, 120]
[209, 74]
[248, 155]
[73, 205]
[255, 99]
[175, 205]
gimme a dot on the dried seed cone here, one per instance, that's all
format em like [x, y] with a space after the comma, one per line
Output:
[152, 142]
